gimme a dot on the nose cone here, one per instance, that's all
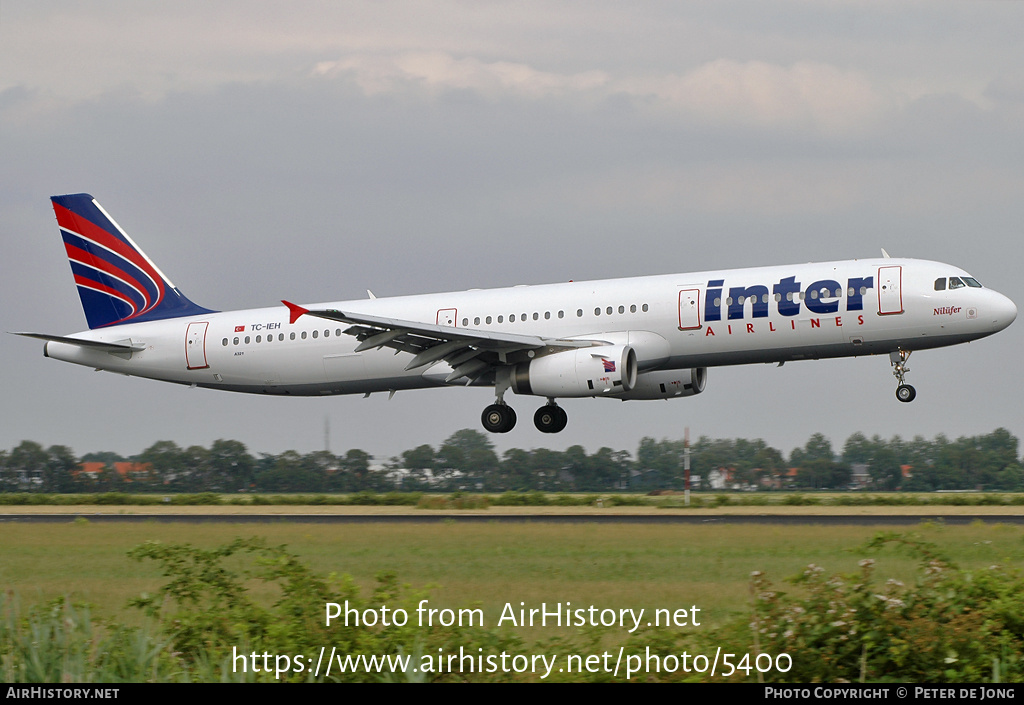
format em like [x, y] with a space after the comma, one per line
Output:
[1002, 311]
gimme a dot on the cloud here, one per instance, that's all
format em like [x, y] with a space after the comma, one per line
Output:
[439, 71]
[812, 96]
[805, 95]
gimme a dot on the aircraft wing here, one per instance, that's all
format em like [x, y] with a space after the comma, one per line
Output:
[471, 353]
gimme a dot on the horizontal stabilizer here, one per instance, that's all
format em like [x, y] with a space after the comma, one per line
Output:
[119, 347]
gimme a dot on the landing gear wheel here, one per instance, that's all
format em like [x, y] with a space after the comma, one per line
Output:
[498, 418]
[905, 393]
[550, 419]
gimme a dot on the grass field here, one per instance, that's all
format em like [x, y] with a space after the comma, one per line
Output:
[617, 566]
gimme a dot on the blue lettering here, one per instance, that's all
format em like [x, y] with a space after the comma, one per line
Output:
[855, 302]
[817, 292]
[758, 296]
[821, 297]
[712, 310]
[789, 305]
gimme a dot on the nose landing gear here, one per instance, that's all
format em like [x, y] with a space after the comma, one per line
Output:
[898, 360]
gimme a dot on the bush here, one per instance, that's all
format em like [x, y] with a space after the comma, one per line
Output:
[456, 500]
[202, 498]
[60, 643]
[951, 626]
[208, 615]
[627, 500]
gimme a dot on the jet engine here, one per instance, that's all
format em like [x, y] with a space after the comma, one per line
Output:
[583, 372]
[666, 384]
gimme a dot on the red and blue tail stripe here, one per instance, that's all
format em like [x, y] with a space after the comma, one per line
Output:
[116, 281]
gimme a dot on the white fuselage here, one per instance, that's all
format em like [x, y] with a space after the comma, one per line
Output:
[676, 321]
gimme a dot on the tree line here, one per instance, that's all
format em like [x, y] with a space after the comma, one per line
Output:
[467, 461]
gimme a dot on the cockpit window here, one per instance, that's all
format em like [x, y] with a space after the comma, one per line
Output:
[972, 282]
[955, 283]
[940, 284]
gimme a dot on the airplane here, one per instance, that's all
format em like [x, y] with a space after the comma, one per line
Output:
[641, 338]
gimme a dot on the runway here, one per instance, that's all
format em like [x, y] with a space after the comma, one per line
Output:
[448, 517]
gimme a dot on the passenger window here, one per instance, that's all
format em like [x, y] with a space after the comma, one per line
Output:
[622, 309]
[579, 313]
[225, 343]
[476, 321]
[236, 341]
[547, 315]
[316, 333]
[291, 336]
[645, 308]
[303, 335]
[609, 309]
[561, 314]
[246, 340]
[488, 320]
[940, 284]
[536, 315]
[597, 311]
[501, 319]
[632, 308]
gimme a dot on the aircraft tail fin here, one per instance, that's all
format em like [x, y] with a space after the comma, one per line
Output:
[116, 281]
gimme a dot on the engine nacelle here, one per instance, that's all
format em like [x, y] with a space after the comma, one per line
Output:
[584, 372]
[667, 384]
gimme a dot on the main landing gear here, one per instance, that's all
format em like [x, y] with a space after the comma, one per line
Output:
[898, 360]
[499, 417]
[550, 418]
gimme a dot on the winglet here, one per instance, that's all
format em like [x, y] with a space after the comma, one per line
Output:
[295, 310]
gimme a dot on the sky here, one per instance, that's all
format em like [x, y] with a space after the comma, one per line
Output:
[310, 151]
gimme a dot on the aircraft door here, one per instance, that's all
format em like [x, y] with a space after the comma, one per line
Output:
[890, 295]
[195, 346]
[447, 317]
[689, 309]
